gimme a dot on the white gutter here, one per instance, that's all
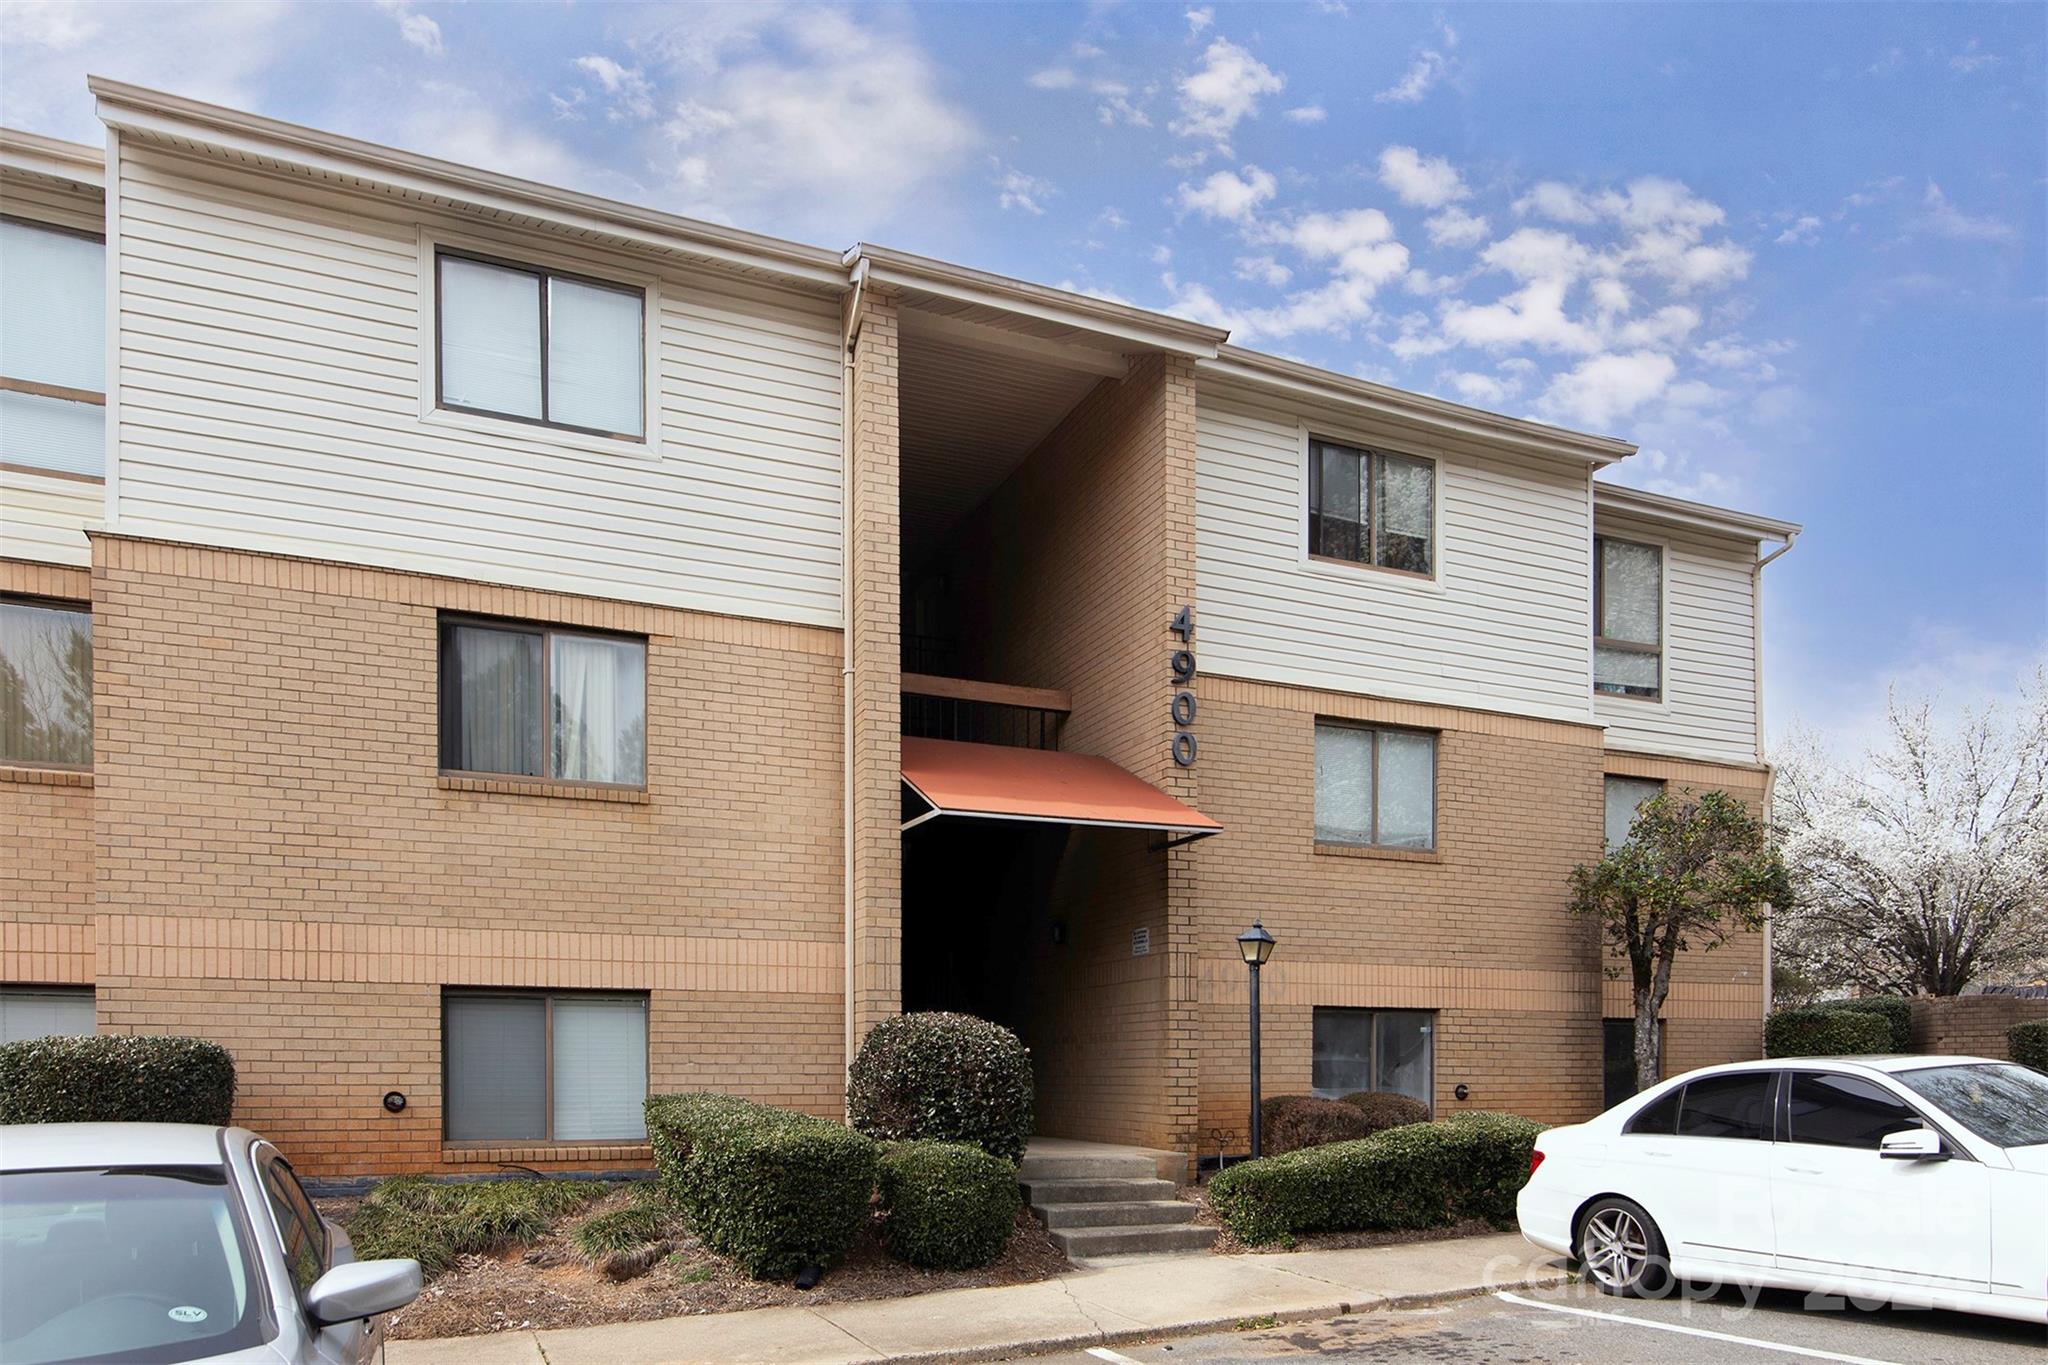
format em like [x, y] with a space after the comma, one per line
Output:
[1756, 656]
[851, 332]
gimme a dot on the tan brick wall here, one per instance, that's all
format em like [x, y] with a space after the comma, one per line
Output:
[1972, 1025]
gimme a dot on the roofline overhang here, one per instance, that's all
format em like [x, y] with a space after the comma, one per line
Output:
[1137, 327]
[138, 109]
[78, 162]
[1699, 516]
[1273, 374]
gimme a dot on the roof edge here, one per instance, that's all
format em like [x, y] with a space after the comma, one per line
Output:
[137, 108]
[79, 162]
[1261, 370]
[1699, 515]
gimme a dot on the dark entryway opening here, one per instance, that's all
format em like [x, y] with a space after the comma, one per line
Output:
[976, 915]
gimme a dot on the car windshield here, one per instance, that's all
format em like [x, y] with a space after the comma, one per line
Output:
[1999, 1102]
[123, 1263]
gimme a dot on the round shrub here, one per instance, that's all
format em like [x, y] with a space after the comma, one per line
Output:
[1818, 1032]
[1289, 1123]
[1896, 1011]
[943, 1078]
[2028, 1043]
[946, 1205]
[116, 1078]
[1383, 1109]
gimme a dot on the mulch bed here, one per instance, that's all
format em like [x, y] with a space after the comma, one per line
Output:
[548, 1283]
[1227, 1245]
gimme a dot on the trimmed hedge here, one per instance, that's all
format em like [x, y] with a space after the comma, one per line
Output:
[946, 1205]
[1895, 1010]
[1288, 1123]
[1825, 1032]
[116, 1078]
[1420, 1175]
[773, 1189]
[943, 1078]
[1384, 1109]
[2028, 1043]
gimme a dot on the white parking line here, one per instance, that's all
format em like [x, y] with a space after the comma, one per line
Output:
[1807, 1351]
[1104, 1353]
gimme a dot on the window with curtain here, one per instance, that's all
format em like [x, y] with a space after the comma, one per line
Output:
[1625, 796]
[45, 1011]
[527, 701]
[529, 343]
[1386, 1050]
[536, 1066]
[1375, 787]
[1370, 507]
[45, 684]
[1628, 615]
[53, 348]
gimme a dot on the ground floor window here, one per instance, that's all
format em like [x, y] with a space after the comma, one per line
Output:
[41, 1011]
[1618, 1058]
[1392, 1050]
[534, 1066]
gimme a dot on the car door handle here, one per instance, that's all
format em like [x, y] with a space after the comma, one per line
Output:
[1802, 1170]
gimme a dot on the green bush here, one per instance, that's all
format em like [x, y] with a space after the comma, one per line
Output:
[946, 1205]
[773, 1189]
[1420, 1175]
[1819, 1031]
[2028, 1044]
[1288, 1123]
[943, 1078]
[1896, 1011]
[1383, 1109]
[116, 1078]
[435, 1222]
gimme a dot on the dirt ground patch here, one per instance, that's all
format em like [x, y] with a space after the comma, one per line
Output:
[1228, 1245]
[549, 1283]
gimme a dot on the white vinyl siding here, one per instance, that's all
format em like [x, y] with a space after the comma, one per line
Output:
[1708, 707]
[43, 516]
[1502, 626]
[273, 343]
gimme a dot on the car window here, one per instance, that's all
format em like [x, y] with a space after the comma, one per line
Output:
[300, 1228]
[1659, 1119]
[1736, 1106]
[1832, 1110]
[1999, 1102]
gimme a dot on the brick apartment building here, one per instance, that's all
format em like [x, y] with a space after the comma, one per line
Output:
[482, 644]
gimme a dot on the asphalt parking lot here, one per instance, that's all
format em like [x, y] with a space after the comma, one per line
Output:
[1572, 1323]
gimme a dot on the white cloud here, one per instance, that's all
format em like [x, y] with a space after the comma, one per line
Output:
[1229, 196]
[1054, 78]
[1539, 254]
[1610, 296]
[1607, 387]
[1942, 218]
[1112, 219]
[1972, 59]
[1804, 230]
[1491, 389]
[1456, 228]
[1199, 19]
[416, 29]
[1424, 71]
[1307, 113]
[1427, 182]
[1118, 108]
[632, 96]
[1223, 92]
[1531, 316]
[1192, 300]
[1684, 265]
[1016, 190]
[1263, 270]
[1663, 329]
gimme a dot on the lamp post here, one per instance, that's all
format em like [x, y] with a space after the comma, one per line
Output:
[1256, 945]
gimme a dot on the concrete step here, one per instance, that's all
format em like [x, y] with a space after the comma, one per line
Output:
[1108, 1166]
[1129, 1213]
[1087, 1243]
[1043, 1193]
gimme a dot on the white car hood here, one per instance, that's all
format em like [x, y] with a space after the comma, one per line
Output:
[2034, 1158]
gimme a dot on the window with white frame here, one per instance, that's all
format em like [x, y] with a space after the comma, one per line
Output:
[45, 683]
[45, 1011]
[544, 1066]
[1375, 787]
[1628, 618]
[531, 701]
[1391, 1051]
[53, 348]
[1371, 507]
[537, 345]
[1625, 796]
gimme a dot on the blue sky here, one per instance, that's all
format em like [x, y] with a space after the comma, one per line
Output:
[1796, 252]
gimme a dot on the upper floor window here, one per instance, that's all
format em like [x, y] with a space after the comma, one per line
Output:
[1375, 787]
[1371, 508]
[527, 701]
[45, 683]
[539, 346]
[1628, 618]
[53, 349]
[1625, 796]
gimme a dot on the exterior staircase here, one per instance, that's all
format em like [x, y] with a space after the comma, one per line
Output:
[1097, 1200]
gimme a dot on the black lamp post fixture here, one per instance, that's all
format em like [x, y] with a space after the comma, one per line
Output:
[1256, 945]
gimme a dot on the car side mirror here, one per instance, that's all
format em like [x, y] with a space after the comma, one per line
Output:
[362, 1289]
[1912, 1144]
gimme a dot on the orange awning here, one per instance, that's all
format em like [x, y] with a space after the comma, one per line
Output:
[996, 782]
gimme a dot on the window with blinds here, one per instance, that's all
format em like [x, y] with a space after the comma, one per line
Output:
[1371, 507]
[528, 1066]
[1628, 619]
[45, 1011]
[53, 349]
[1375, 787]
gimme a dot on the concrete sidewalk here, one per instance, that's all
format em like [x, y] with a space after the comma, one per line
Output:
[1094, 1306]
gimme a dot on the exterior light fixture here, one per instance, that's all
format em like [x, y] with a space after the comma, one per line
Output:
[1256, 945]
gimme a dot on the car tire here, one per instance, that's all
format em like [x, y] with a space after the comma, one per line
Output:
[1620, 1249]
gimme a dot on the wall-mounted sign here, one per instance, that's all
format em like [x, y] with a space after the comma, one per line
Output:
[1141, 941]
[1184, 705]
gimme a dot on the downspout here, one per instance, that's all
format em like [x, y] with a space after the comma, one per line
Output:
[1756, 659]
[849, 335]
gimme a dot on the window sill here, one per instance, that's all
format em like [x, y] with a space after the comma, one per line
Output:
[1392, 855]
[495, 1152]
[46, 777]
[527, 786]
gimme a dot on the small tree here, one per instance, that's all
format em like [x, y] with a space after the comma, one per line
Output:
[1694, 871]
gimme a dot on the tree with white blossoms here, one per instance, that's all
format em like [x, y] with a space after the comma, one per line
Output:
[1923, 867]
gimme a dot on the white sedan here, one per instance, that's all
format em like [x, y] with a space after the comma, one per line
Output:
[1920, 1181]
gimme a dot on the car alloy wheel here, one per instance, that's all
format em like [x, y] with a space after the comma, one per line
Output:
[1622, 1250]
